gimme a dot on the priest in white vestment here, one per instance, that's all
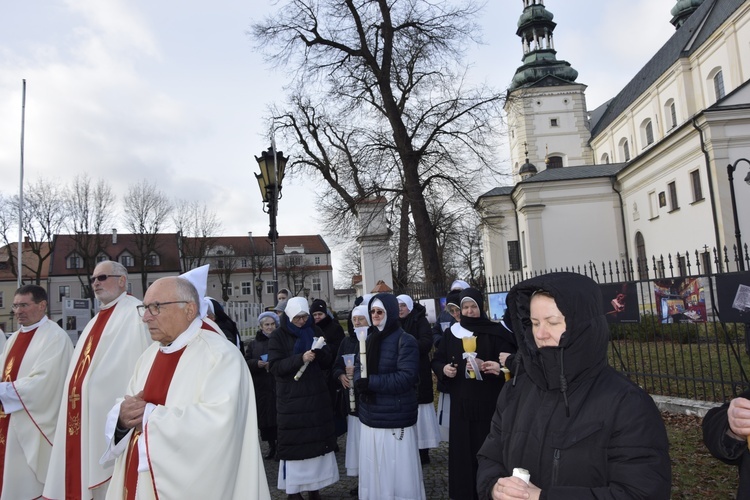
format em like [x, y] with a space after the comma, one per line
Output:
[102, 364]
[34, 362]
[187, 426]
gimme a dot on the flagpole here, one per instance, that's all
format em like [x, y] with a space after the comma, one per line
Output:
[20, 190]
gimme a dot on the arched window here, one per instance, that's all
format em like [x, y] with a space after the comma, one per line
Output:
[554, 162]
[670, 113]
[647, 132]
[719, 85]
[625, 149]
[605, 159]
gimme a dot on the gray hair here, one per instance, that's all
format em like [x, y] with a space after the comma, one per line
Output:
[187, 292]
[116, 267]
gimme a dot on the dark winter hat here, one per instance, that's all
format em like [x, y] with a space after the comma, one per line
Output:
[453, 297]
[318, 305]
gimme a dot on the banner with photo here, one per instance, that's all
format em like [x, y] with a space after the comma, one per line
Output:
[620, 302]
[681, 300]
[733, 297]
[497, 305]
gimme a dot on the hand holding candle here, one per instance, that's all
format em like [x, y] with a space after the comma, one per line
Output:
[349, 363]
[362, 337]
[318, 342]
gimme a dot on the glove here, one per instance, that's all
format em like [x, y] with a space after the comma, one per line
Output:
[361, 386]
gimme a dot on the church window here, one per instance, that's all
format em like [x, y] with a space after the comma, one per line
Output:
[653, 205]
[553, 122]
[514, 256]
[719, 85]
[672, 115]
[605, 159]
[672, 188]
[642, 261]
[554, 162]
[625, 149]
[648, 130]
[695, 181]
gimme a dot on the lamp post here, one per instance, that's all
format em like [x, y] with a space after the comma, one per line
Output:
[272, 164]
[737, 236]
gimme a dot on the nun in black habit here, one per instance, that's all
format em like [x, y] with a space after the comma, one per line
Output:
[472, 399]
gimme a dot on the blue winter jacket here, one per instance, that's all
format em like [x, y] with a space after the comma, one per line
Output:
[391, 401]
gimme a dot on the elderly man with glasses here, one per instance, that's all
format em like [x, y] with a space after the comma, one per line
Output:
[102, 364]
[33, 366]
[187, 426]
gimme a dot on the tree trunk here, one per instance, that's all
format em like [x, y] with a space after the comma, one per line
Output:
[402, 263]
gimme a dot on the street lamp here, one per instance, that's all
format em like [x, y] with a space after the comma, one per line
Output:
[738, 239]
[272, 164]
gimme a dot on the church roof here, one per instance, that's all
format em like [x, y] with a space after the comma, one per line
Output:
[578, 172]
[687, 39]
[498, 191]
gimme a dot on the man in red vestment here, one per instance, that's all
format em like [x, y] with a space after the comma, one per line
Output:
[102, 363]
[33, 366]
[187, 426]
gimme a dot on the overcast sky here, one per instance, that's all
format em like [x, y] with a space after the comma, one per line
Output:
[173, 91]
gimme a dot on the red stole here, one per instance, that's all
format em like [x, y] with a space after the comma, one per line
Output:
[206, 326]
[73, 437]
[155, 391]
[10, 373]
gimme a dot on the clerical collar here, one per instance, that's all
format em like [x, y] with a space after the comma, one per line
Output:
[182, 339]
[35, 325]
[113, 303]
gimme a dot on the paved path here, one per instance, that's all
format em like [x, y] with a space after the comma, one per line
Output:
[435, 476]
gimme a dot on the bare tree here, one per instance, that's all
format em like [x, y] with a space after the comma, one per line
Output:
[295, 270]
[90, 216]
[390, 84]
[146, 213]
[43, 217]
[198, 228]
[8, 222]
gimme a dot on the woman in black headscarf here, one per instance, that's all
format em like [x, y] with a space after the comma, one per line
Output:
[473, 395]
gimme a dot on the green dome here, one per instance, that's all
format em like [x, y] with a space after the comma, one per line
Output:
[539, 64]
[535, 14]
[682, 10]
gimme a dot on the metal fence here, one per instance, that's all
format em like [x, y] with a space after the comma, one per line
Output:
[688, 336]
[245, 314]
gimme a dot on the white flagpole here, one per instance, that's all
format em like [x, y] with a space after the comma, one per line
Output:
[20, 189]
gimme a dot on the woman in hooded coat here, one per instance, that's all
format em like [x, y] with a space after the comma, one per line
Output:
[388, 452]
[472, 400]
[304, 417]
[580, 428]
[263, 382]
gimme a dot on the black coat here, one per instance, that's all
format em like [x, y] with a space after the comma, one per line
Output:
[263, 382]
[304, 415]
[417, 326]
[726, 448]
[581, 429]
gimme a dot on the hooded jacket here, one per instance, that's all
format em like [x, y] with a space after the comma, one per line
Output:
[391, 399]
[581, 429]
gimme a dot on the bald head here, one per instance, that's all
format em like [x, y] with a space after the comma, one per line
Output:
[171, 304]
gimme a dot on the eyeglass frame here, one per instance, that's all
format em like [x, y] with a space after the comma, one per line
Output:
[143, 307]
[99, 278]
[23, 305]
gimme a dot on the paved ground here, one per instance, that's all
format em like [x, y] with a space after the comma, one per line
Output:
[435, 476]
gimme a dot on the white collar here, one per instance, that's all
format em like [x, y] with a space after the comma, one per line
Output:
[35, 325]
[114, 302]
[182, 339]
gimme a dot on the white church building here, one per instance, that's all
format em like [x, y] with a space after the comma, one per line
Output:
[644, 176]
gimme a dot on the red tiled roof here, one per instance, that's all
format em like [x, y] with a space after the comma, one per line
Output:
[30, 261]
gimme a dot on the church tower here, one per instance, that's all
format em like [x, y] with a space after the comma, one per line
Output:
[547, 116]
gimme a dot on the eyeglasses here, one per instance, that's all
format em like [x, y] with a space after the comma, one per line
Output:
[377, 312]
[103, 277]
[22, 305]
[155, 307]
